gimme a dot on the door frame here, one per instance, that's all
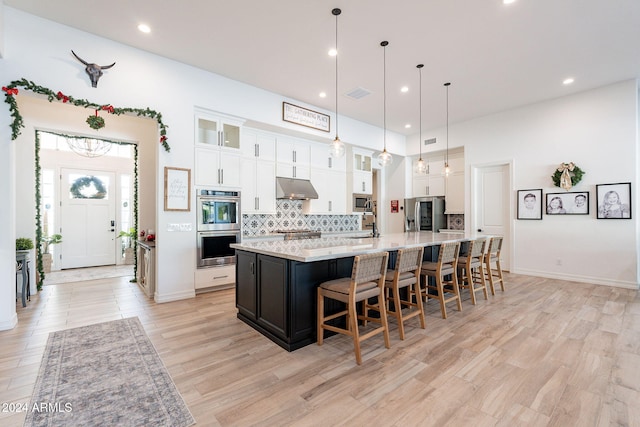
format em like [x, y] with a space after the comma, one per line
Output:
[474, 204]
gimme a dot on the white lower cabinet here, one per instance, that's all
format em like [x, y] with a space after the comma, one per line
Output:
[215, 277]
[332, 193]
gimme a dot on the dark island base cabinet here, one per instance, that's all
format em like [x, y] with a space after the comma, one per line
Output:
[277, 297]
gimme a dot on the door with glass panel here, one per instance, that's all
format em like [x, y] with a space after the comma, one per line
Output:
[87, 218]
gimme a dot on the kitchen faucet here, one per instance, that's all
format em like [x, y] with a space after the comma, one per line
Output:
[372, 205]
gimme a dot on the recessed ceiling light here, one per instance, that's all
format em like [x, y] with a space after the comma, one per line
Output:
[404, 89]
[323, 94]
[567, 81]
[333, 52]
[508, 1]
[144, 28]
[407, 126]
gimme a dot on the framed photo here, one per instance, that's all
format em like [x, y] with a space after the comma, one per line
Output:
[572, 203]
[530, 204]
[177, 189]
[305, 117]
[614, 200]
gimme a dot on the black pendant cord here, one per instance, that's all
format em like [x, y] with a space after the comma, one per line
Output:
[447, 153]
[419, 66]
[384, 91]
[336, 12]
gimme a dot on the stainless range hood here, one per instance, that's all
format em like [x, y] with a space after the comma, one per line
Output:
[295, 189]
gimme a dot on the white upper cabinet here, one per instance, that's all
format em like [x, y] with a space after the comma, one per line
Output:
[258, 145]
[360, 171]
[332, 193]
[216, 168]
[320, 158]
[293, 158]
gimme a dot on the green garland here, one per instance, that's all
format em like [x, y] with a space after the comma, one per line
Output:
[38, 197]
[18, 122]
[576, 176]
[86, 181]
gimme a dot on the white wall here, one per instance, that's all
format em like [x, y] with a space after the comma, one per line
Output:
[597, 130]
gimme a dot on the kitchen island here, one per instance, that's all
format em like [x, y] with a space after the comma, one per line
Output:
[276, 281]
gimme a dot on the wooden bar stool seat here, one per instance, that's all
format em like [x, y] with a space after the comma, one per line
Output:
[406, 274]
[445, 266]
[366, 281]
[492, 257]
[471, 269]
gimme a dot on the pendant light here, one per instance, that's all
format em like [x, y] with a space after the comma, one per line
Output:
[421, 166]
[336, 148]
[385, 158]
[447, 170]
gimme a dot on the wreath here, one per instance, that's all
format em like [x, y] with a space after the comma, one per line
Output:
[567, 175]
[95, 122]
[84, 182]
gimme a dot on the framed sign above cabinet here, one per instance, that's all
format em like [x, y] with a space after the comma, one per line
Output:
[305, 117]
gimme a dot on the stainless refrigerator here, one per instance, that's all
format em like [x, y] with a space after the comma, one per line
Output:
[424, 214]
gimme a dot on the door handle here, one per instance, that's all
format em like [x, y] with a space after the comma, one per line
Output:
[479, 230]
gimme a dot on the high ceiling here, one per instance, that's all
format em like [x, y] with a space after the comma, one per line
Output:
[496, 56]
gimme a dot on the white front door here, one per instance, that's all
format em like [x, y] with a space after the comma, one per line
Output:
[492, 206]
[87, 218]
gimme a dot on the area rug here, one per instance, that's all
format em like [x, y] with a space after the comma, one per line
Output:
[107, 374]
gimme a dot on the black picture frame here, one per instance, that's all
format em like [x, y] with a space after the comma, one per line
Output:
[530, 204]
[570, 203]
[619, 210]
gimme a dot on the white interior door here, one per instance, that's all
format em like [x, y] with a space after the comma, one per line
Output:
[492, 210]
[87, 218]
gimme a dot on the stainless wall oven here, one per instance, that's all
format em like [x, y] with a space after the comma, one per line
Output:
[218, 210]
[214, 250]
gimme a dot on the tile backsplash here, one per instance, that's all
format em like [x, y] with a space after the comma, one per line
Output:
[455, 222]
[289, 216]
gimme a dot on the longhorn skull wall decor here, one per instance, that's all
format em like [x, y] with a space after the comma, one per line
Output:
[93, 70]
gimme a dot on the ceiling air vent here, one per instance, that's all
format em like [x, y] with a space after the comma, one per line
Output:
[358, 93]
[429, 141]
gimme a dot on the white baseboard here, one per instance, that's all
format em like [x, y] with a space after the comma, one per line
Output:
[174, 296]
[578, 278]
[9, 323]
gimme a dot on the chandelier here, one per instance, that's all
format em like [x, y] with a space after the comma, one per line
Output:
[89, 147]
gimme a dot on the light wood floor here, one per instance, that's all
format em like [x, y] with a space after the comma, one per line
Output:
[544, 353]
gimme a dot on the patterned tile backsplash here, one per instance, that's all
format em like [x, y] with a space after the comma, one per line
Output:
[289, 216]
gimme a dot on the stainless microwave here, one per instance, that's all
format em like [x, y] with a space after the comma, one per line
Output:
[219, 210]
[362, 203]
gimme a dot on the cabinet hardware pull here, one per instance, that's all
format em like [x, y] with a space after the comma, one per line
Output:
[256, 203]
[363, 186]
[294, 156]
[220, 277]
[256, 151]
[330, 209]
[294, 171]
[221, 176]
[330, 163]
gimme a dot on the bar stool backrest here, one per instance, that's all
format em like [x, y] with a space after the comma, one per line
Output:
[369, 267]
[449, 252]
[477, 250]
[495, 245]
[409, 259]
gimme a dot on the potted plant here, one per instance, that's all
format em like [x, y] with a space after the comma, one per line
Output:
[24, 244]
[47, 259]
[128, 250]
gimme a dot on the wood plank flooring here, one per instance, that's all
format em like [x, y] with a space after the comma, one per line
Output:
[543, 353]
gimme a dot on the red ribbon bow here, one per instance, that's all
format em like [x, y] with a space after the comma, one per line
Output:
[10, 91]
[62, 96]
[108, 108]
[163, 138]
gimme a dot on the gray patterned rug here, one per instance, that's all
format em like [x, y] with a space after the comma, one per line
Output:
[107, 374]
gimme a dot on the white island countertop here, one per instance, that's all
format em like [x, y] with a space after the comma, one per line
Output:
[309, 250]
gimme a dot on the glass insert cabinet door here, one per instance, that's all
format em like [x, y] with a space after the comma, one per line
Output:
[218, 133]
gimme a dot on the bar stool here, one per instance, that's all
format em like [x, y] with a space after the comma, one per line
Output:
[405, 275]
[366, 281]
[493, 257]
[471, 269]
[445, 266]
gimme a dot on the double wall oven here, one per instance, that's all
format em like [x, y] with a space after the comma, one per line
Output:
[218, 226]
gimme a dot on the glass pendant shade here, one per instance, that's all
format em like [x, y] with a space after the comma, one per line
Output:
[336, 148]
[447, 169]
[421, 166]
[385, 158]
